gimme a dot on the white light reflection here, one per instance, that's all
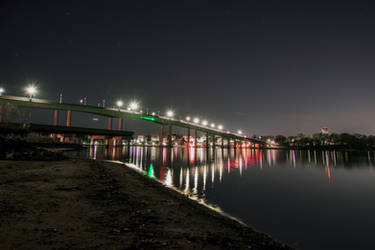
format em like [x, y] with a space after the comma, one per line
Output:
[334, 157]
[204, 177]
[168, 180]
[95, 149]
[240, 165]
[221, 170]
[181, 177]
[195, 189]
[269, 158]
[315, 159]
[308, 156]
[187, 181]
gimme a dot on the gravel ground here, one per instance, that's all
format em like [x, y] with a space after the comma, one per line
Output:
[81, 204]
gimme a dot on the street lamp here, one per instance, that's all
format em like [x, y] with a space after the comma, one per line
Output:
[119, 104]
[133, 106]
[220, 127]
[204, 123]
[240, 132]
[196, 120]
[170, 113]
[31, 91]
[212, 125]
[187, 118]
[1, 91]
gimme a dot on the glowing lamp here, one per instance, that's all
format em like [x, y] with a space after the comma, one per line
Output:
[31, 91]
[133, 106]
[170, 113]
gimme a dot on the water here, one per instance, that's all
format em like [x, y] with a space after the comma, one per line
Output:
[307, 199]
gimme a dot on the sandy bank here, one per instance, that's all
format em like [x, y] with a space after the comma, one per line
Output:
[100, 205]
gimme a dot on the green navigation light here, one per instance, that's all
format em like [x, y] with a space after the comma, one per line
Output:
[150, 172]
[148, 118]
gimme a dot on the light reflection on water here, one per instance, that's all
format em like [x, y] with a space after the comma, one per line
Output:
[308, 199]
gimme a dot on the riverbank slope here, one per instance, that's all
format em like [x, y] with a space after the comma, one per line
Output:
[74, 204]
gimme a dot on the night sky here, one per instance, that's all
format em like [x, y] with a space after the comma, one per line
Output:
[266, 67]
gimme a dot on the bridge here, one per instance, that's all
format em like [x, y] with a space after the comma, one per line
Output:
[122, 114]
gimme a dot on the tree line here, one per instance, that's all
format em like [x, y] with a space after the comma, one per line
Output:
[320, 140]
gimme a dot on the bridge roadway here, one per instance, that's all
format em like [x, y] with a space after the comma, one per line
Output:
[120, 113]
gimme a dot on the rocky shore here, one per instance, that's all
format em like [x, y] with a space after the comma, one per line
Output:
[81, 204]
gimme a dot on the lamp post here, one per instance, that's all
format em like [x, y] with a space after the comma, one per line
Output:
[119, 104]
[31, 91]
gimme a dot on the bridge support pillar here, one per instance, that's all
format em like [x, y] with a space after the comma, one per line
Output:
[170, 136]
[195, 137]
[120, 123]
[1, 112]
[68, 118]
[222, 142]
[56, 117]
[213, 141]
[55, 122]
[161, 136]
[207, 140]
[188, 138]
[228, 143]
[110, 123]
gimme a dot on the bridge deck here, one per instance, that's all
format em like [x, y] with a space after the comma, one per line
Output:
[120, 113]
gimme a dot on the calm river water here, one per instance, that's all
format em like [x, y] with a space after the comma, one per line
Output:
[307, 199]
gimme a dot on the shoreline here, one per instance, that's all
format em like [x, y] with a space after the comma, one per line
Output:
[96, 204]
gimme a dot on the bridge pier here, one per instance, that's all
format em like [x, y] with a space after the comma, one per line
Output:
[213, 141]
[120, 123]
[56, 117]
[222, 142]
[161, 135]
[188, 138]
[195, 137]
[228, 143]
[109, 123]
[170, 136]
[55, 122]
[68, 117]
[68, 123]
[207, 140]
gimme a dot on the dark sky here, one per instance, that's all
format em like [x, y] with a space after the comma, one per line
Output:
[266, 67]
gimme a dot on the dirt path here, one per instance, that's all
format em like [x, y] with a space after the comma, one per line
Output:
[90, 204]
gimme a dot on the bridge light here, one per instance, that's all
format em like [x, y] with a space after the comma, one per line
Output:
[133, 106]
[170, 113]
[212, 125]
[240, 132]
[196, 120]
[220, 127]
[31, 91]
[204, 123]
[1, 91]
[187, 118]
[153, 114]
[119, 104]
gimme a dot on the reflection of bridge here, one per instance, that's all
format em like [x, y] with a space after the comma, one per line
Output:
[237, 139]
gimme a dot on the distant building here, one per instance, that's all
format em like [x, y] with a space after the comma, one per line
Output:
[324, 131]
